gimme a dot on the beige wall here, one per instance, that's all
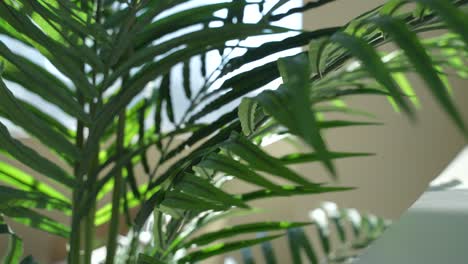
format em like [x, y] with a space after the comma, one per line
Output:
[409, 156]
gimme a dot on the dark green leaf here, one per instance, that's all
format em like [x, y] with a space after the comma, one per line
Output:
[234, 168]
[414, 50]
[289, 190]
[180, 200]
[33, 159]
[290, 104]
[23, 181]
[186, 81]
[298, 240]
[15, 244]
[10, 197]
[145, 259]
[203, 188]
[221, 248]
[229, 232]
[260, 160]
[312, 157]
[374, 65]
[24, 118]
[38, 221]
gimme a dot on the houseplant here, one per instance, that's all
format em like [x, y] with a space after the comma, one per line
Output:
[111, 52]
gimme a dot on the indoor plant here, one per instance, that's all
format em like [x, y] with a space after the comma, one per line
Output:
[111, 52]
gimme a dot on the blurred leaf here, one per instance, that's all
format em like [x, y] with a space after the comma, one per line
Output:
[23, 181]
[409, 43]
[372, 62]
[289, 190]
[24, 118]
[234, 168]
[15, 244]
[37, 221]
[312, 157]
[202, 188]
[247, 109]
[291, 107]
[33, 159]
[37, 80]
[297, 241]
[10, 197]
[145, 259]
[177, 199]
[220, 248]
[229, 232]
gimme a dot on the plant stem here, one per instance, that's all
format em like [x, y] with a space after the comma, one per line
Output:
[116, 194]
[75, 236]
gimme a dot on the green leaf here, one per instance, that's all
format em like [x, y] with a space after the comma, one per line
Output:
[221, 248]
[23, 181]
[247, 256]
[414, 50]
[234, 168]
[32, 159]
[186, 81]
[166, 95]
[453, 16]
[180, 200]
[312, 157]
[10, 197]
[36, 79]
[29, 260]
[179, 20]
[25, 119]
[374, 65]
[259, 160]
[291, 107]
[267, 250]
[36, 220]
[297, 241]
[316, 58]
[269, 48]
[15, 244]
[240, 84]
[63, 58]
[344, 123]
[247, 110]
[203, 188]
[145, 259]
[229, 232]
[288, 190]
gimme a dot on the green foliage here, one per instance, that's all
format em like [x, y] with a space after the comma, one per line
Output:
[118, 64]
[336, 236]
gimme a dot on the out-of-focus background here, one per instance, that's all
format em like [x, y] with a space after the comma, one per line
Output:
[408, 156]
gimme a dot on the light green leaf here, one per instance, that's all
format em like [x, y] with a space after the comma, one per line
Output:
[374, 65]
[10, 197]
[37, 221]
[23, 181]
[414, 50]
